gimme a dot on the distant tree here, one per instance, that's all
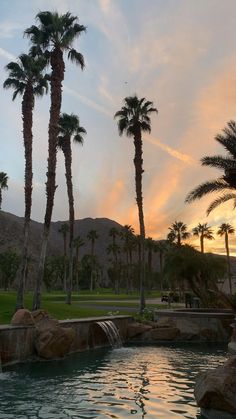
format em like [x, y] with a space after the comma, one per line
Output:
[224, 230]
[53, 36]
[3, 185]
[9, 263]
[161, 246]
[114, 249]
[200, 272]
[64, 229]
[134, 120]
[150, 246]
[78, 242]
[227, 182]
[178, 232]
[69, 127]
[92, 236]
[204, 232]
[28, 79]
[128, 237]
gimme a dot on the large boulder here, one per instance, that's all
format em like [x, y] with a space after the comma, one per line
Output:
[22, 317]
[216, 389]
[137, 329]
[165, 322]
[164, 333]
[51, 340]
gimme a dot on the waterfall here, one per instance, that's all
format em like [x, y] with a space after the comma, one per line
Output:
[112, 333]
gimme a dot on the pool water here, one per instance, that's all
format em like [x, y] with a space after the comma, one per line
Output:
[137, 381]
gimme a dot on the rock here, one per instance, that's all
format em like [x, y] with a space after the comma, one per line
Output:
[216, 389]
[39, 315]
[166, 322]
[164, 333]
[22, 317]
[53, 341]
[208, 334]
[135, 329]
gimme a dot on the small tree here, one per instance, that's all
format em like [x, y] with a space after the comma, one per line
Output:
[203, 231]
[224, 230]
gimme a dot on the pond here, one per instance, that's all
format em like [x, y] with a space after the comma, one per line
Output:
[135, 381]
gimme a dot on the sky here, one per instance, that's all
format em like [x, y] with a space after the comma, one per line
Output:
[181, 55]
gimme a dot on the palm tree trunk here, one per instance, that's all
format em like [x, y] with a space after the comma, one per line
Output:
[57, 76]
[0, 198]
[65, 261]
[68, 163]
[202, 243]
[161, 267]
[138, 163]
[77, 268]
[27, 116]
[92, 266]
[228, 261]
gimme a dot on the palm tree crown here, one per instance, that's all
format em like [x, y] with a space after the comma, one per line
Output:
[56, 32]
[134, 116]
[27, 72]
[227, 182]
[69, 126]
[178, 232]
[204, 232]
[225, 228]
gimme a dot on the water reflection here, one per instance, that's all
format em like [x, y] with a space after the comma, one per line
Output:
[153, 382]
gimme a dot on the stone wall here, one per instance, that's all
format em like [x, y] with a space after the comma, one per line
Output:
[199, 325]
[17, 342]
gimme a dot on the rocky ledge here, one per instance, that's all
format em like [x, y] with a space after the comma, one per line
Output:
[215, 391]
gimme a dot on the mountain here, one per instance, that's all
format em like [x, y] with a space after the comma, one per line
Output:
[11, 235]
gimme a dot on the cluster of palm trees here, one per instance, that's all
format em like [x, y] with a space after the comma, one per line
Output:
[179, 233]
[51, 39]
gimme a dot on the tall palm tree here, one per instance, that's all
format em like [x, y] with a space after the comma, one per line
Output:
[161, 247]
[92, 236]
[224, 230]
[204, 232]
[134, 119]
[78, 242]
[69, 126]
[3, 185]
[27, 79]
[64, 229]
[113, 232]
[178, 232]
[227, 182]
[53, 36]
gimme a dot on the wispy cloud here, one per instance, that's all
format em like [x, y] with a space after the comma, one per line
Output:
[7, 55]
[171, 151]
[88, 102]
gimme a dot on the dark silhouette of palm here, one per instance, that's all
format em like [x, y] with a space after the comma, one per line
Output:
[178, 232]
[204, 232]
[64, 230]
[53, 37]
[134, 119]
[27, 79]
[69, 127]
[92, 236]
[227, 182]
[224, 230]
[78, 242]
[3, 185]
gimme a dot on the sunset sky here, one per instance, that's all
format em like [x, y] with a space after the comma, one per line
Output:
[181, 55]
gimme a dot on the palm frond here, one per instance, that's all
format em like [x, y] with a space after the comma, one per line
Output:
[219, 162]
[220, 200]
[76, 57]
[206, 188]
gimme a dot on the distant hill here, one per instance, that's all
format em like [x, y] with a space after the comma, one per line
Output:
[11, 235]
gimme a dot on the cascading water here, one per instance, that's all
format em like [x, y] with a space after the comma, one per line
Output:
[111, 332]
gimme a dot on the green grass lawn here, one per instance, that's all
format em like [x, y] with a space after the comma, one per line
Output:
[54, 303]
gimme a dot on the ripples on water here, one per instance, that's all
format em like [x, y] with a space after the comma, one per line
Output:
[139, 382]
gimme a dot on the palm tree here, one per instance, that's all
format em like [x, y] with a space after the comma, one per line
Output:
[161, 247]
[204, 232]
[178, 232]
[224, 230]
[227, 182]
[53, 36]
[92, 236]
[64, 229]
[78, 242]
[3, 185]
[114, 249]
[150, 245]
[113, 232]
[134, 119]
[127, 235]
[69, 126]
[27, 79]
